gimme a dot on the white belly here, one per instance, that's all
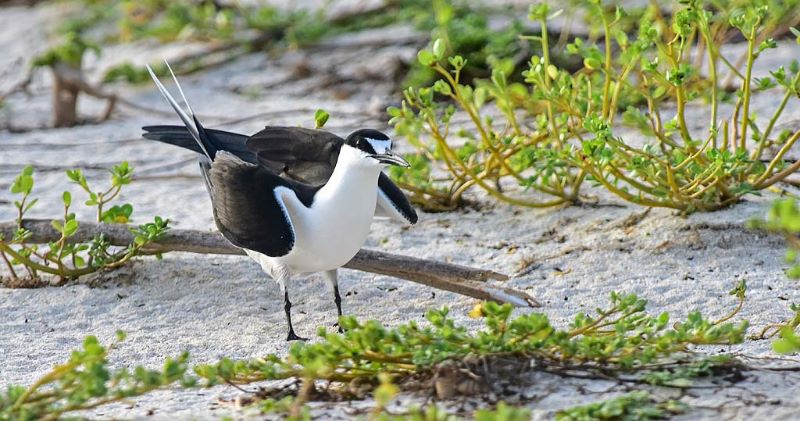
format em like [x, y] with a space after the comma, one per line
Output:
[326, 241]
[320, 243]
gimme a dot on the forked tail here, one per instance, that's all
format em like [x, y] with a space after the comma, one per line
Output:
[208, 146]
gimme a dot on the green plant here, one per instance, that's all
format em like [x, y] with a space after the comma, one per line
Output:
[121, 175]
[560, 128]
[684, 376]
[85, 381]
[784, 218]
[65, 258]
[464, 29]
[789, 342]
[465, 26]
[783, 329]
[619, 339]
[167, 21]
[134, 74]
[69, 52]
[288, 407]
[370, 358]
[632, 406]
[320, 118]
[503, 412]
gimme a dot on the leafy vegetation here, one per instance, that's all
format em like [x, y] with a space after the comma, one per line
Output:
[547, 129]
[561, 128]
[372, 359]
[619, 339]
[789, 342]
[70, 52]
[263, 26]
[784, 218]
[632, 406]
[685, 375]
[85, 381]
[67, 259]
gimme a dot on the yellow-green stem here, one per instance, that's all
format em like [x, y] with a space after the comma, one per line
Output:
[746, 94]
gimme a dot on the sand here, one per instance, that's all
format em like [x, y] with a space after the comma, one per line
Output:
[214, 306]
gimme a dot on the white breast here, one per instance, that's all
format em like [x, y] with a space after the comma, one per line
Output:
[330, 232]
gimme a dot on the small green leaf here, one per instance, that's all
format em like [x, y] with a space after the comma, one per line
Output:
[320, 118]
[552, 71]
[782, 347]
[70, 227]
[23, 184]
[426, 58]
[592, 63]
[439, 48]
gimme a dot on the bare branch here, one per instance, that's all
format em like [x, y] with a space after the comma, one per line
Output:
[449, 277]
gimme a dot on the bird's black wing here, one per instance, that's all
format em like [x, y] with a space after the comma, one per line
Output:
[299, 154]
[393, 203]
[248, 210]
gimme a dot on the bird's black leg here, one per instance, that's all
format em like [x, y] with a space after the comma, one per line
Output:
[338, 300]
[287, 307]
[333, 279]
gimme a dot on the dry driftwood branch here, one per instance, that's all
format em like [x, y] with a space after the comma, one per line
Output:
[69, 83]
[21, 86]
[449, 277]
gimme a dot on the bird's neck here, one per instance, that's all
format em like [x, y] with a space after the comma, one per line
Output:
[351, 179]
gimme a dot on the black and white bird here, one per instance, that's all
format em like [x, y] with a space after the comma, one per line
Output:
[296, 200]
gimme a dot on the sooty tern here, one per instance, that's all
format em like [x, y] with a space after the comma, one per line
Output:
[296, 200]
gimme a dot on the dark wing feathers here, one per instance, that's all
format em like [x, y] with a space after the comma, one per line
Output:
[396, 199]
[304, 155]
[247, 209]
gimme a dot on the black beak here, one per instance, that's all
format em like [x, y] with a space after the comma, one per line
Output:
[391, 158]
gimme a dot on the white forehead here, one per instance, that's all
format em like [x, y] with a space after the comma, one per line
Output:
[380, 145]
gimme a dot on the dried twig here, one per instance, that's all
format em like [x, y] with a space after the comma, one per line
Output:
[21, 86]
[449, 277]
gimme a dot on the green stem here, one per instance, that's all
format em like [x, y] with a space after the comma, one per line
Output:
[762, 182]
[607, 67]
[772, 121]
[53, 375]
[711, 48]
[546, 59]
[746, 95]
[21, 210]
[31, 265]
[9, 265]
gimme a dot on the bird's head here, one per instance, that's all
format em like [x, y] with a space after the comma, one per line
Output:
[375, 146]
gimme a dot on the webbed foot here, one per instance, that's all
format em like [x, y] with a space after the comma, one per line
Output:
[293, 337]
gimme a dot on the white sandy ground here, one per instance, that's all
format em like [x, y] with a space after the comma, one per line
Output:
[216, 306]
